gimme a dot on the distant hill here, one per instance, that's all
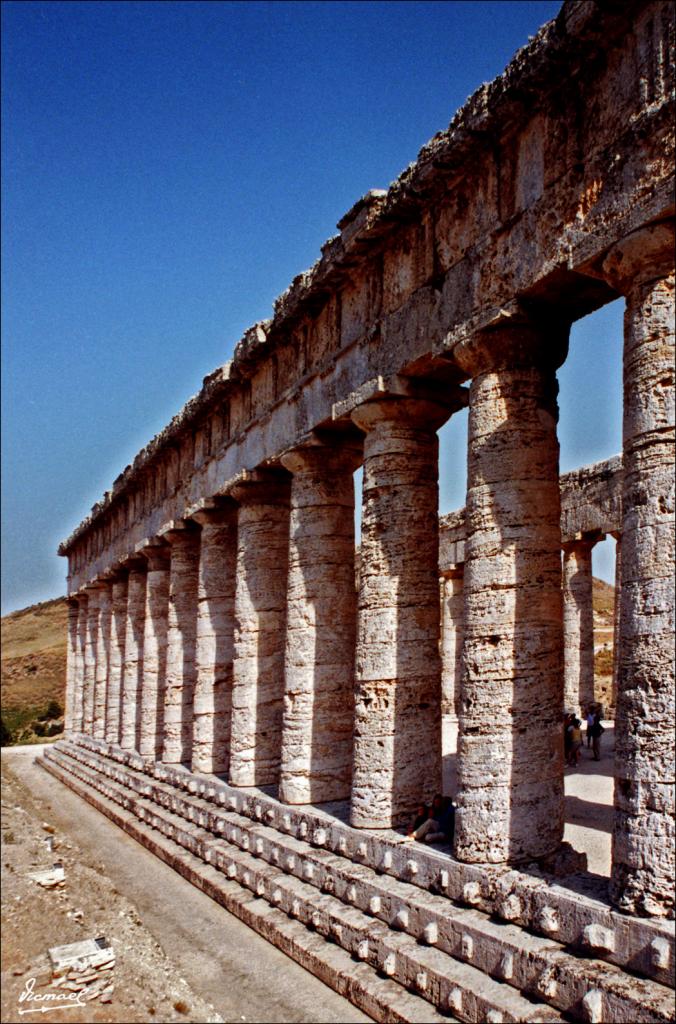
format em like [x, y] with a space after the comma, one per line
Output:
[604, 598]
[33, 666]
[604, 612]
[34, 658]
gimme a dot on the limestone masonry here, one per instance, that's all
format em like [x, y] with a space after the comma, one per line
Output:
[217, 642]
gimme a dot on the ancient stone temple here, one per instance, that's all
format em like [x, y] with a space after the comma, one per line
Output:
[239, 706]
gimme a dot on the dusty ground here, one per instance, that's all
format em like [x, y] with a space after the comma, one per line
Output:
[589, 804]
[147, 986]
[179, 956]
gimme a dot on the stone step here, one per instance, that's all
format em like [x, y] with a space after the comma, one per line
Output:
[380, 997]
[575, 914]
[438, 977]
[538, 966]
[586, 990]
[529, 898]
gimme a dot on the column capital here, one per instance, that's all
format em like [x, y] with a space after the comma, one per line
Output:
[156, 552]
[453, 572]
[644, 255]
[321, 458]
[133, 563]
[417, 413]
[96, 586]
[115, 573]
[261, 487]
[515, 344]
[218, 511]
[581, 540]
[179, 532]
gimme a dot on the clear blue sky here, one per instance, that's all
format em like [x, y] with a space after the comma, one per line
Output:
[167, 169]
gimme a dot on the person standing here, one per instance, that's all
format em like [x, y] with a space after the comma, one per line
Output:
[575, 733]
[597, 732]
[567, 721]
[590, 722]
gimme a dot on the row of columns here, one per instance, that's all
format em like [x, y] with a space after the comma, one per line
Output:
[237, 653]
[578, 627]
[241, 657]
[578, 643]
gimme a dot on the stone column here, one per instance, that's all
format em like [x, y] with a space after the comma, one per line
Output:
[215, 637]
[641, 267]
[260, 623]
[102, 660]
[184, 539]
[397, 741]
[510, 764]
[82, 618]
[318, 718]
[578, 625]
[118, 626]
[132, 676]
[452, 613]
[616, 620]
[154, 650]
[72, 699]
[91, 639]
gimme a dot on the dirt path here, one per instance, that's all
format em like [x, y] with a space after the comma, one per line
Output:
[179, 956]
[146, 983]
[589, 804]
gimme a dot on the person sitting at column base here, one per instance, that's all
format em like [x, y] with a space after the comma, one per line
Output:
[446, 824]
[439, 825]
[421, 817]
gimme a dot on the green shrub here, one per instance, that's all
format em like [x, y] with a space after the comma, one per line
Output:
[54, 710]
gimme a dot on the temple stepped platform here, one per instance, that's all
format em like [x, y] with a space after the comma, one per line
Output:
[404, 931]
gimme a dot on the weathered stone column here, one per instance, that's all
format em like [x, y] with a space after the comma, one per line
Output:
[321, 625]
[184, 539]
[452, 613]
[154, 649]
[73, 697]
[616, 619]
[641, 267]
[78, 725]
[118, 627]
[91, 639]
[260, 623]
[397, 742]
[510, 758]
[578, 625]
[215, 636]
[132, 676]
[102, 660]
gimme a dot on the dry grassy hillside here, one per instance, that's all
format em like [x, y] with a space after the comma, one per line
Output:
[604, 606]
[33, 664]
[604, 598]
